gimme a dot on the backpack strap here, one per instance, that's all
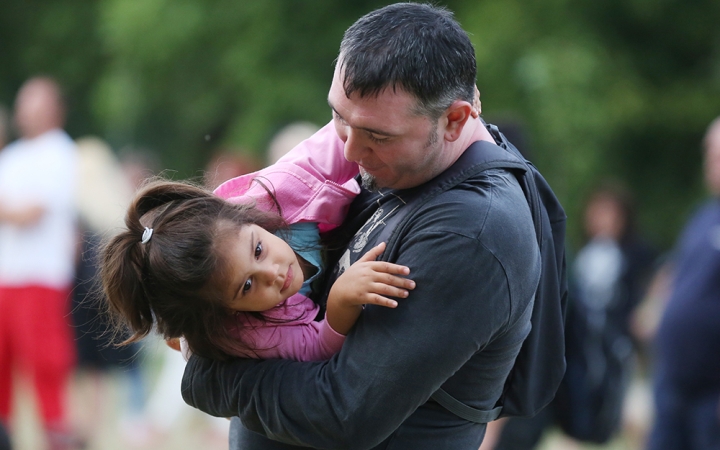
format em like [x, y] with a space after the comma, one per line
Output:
[479, 157]
[464, 411]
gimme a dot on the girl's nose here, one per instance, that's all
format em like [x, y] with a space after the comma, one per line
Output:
[269, 272]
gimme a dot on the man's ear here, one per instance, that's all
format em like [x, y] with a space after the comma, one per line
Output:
[456, 116]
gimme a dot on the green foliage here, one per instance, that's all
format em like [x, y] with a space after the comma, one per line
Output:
[189, 76]
[620, 89]
[613, 89]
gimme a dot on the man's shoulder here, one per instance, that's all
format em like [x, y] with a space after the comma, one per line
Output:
[484, 203]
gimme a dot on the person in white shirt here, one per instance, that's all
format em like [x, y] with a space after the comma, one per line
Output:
[37, 256]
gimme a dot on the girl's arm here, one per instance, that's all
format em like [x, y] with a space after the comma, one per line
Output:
[289, 331]
[365, 282]
[301, 340]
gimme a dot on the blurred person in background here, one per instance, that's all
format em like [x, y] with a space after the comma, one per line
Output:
[4, 132]
[37, 261]
[687, 367]
[138, 165]
[103, 193]
[610, 275]
[226, 164]
[4, 127]
[288, 137]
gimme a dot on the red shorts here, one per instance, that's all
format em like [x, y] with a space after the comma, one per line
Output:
[36, 337]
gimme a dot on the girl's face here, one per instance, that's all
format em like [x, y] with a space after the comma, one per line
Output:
[263, 270]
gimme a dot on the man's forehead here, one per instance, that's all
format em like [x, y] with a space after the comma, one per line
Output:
[389, 87]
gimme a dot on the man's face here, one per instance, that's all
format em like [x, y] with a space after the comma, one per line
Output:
[394, 147]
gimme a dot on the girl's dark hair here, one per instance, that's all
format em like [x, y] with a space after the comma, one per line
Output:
[168, 283]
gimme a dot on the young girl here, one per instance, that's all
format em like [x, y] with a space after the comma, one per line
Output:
[230, 276]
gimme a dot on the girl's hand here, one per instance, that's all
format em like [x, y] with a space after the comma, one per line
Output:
[371, 282]
[365, 282]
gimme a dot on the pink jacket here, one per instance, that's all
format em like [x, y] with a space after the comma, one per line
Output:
[312, 183]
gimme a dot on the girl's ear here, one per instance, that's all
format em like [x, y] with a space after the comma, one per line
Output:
[456, 117]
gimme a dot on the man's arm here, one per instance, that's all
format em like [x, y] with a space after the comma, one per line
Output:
[391, 362]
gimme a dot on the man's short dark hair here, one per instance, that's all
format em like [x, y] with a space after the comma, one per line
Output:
[416, 47]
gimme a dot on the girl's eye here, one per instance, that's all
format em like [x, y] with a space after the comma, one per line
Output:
[247, 285]
[258, 250]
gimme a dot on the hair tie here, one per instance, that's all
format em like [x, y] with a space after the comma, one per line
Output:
[147, 234]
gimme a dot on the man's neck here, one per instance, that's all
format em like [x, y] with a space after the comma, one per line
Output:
[474, 131]
[32, 134]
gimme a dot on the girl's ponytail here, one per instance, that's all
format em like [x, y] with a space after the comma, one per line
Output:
[121, 276]
[124, 258]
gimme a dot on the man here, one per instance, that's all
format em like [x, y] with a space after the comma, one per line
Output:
[37, 255]
[687, 367]
[401, 98]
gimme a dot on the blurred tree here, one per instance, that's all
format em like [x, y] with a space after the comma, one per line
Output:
[188, 75]
[623, 88]
[56, 38]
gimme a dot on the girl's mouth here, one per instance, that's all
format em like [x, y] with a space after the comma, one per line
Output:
[288, 279]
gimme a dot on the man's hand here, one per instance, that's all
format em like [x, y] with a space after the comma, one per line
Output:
[366, 282]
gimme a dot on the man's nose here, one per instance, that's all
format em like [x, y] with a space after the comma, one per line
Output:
[354, 147]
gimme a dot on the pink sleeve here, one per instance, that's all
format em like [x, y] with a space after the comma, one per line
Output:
[311, 183]
[313, 341]
[323, 155]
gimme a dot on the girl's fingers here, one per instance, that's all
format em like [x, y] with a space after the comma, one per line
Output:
[382, 301]
[388, 290]
[373, 253]
[386, 267]
[391, 280]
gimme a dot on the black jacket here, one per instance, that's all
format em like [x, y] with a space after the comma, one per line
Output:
[473, 253]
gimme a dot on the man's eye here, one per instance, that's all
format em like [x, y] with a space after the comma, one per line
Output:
[258, 250]
[247, 285]
[376, 139]
[337, 116]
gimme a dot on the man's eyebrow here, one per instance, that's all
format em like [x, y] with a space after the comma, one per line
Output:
[369, 130]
